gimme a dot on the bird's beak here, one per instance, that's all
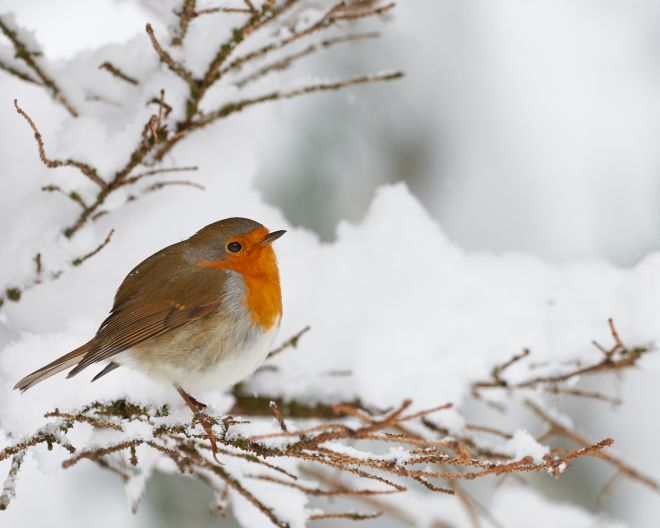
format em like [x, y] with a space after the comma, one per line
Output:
[272, 237]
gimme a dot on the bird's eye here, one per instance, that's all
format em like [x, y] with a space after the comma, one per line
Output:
[234, 247]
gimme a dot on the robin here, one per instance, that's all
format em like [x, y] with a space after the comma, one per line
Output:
[200, 314]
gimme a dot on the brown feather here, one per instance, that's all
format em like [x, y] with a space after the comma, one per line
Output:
[60, 364]
[162, 293]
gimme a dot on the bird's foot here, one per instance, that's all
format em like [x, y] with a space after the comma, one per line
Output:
[207, 422]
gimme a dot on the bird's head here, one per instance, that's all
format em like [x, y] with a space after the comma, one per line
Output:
[237, 244]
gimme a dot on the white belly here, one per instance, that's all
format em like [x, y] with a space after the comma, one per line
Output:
[231, 368]
[209, 354]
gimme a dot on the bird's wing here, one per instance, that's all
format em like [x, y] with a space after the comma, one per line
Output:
[150, 303]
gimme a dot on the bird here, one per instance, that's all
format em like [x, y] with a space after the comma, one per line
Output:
[199, 314]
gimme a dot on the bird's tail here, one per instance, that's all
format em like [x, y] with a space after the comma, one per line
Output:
[60, 364]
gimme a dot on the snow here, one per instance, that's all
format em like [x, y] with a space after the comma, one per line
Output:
[407, 311]
[524, 445]
[513, 504]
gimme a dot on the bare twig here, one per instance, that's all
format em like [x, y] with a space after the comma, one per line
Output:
[278, 415]
[615, 359]
[167, 59]
[154, 172]
[286, 62]
[292, 342]
[563, 431]
[238, 106]
[213, 10]
[159, 185]
[348, 516]
[89, 171]
[332, 16]
[116, 72]
[71, 195]
[12, 70]
[79, 260]
[23, 53]
[185, 16]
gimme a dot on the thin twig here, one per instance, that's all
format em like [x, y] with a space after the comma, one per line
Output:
[292, 342]
[561, 430]
[286, 62]
[278, 415]
[154, 172]
[86, 169]
[79, 260]
[9, 487]
[185, 16]
[348, 516]
[237, 106]
[167, 59]
[28, 57]
[71, 195]
[118, 73]
[158, 186]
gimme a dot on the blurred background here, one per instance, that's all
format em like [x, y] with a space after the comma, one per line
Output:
[522, 125]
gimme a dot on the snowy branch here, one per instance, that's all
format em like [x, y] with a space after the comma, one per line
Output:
[28, 56]
[160, 134]
[345, 449]
[325, 444]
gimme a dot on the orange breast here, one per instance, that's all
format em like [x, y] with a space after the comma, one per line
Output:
[259, 269]
[264, 298]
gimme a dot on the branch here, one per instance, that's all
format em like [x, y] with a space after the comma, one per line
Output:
[28, 57]
[238, 106]
[138, 177]
[17, 73]
[72, 195]
[292, 342]
[287, 61]
[558, 429]
[328, 20]
[615, 359]
[9, 487]
[167, 59]
[182, 443]
[89, 171]
[159, 185]
[159, 137]
[185, 16]
[116, 72]
[423, 456]
[80, 260]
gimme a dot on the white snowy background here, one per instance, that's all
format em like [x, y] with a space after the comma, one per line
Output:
[527, 134]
